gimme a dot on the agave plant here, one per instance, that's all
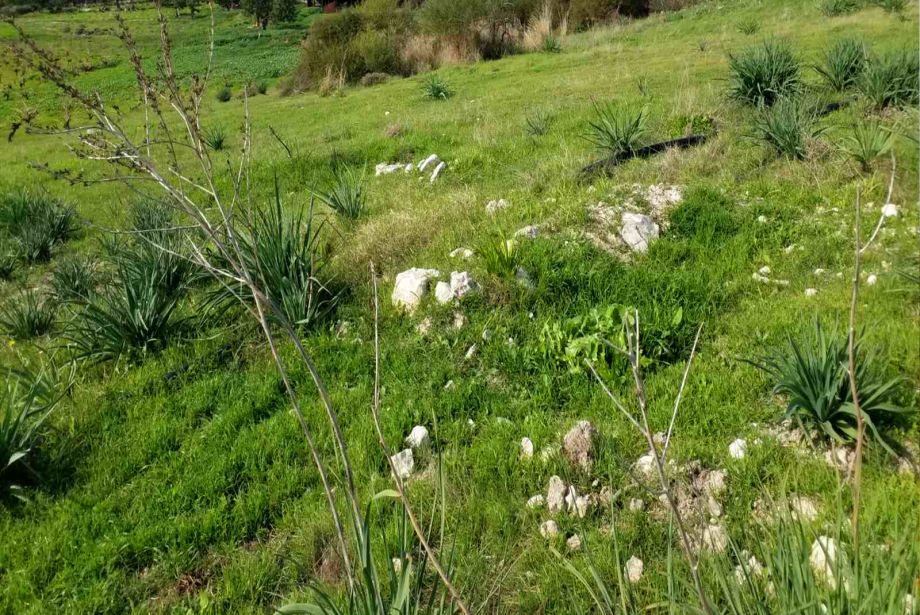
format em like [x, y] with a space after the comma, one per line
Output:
[764, 74]
[892, 80]
[843, 64]
[787, 126]
[346, 196]
[617, 130]
[812, 374]
[436, 88]
[37, 221]
[28, 315]
[867, 142]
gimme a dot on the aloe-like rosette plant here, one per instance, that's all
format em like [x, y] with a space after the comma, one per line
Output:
[617, 129]
[764, 74]
[843, 64]
[346, 196]
[811, 373]
[23, 409]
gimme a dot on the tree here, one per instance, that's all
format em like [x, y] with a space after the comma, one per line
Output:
[260, 9]
[285, 10]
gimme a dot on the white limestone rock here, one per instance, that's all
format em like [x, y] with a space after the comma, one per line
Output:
[526, 448]
[411, 286]
[638, 231]
[634, 569]
[549, 529]
[555, 495]
[418, 438]
[536, 501]
[737, 449]
[443, 293]
[404, 462]
[578, 445]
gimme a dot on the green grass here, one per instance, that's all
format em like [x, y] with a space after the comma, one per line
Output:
[186, 476]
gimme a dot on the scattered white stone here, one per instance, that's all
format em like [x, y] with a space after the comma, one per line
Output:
[645, 467]
[911, 604]
[574, 542]
[578, 445]
[753, 569]
[486, 335]
[523, 278]
[571, 495]
[760, 278]
[555, 494]
[424, 327]
[450, 384]
[459, 320]
[811, 292]
[872, 280]
[535, 501]
[462, 284]
[471, 352]
[638, 231]
[788, 249]
[409, 167]
[714, 538]
[737, 449]
[823, 560]
[549, 529]
[803, 508]
[443, 293]
[547, 453]
[397, 565]
[634, 569]
[762, 219]
[404, 463]
[528, 232]
[418, 438]
[819, 271]
[765, 270]
[385, 168]
[636, 505]
[411, 285]
[430, 160]
[493, 206]
[660, 196]
[890, 210]
[461, 253]
[437, 172]
[526, 448]
[583, 505]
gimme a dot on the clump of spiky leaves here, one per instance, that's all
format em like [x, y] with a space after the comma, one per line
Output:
[811, 373]
[843, 63]
[892, 79]
[551, 44]
[833, 8]
[748, 26]
[892, 6]
[288, 255]
[867, 141]
[27, 315]
[436, 88]
[764, 74]
[22, 413]
[224, 94]
[500, 255]
[538, 123]
[37, 221]
[346, 195]
[788, 126]
[74, 280]
[617, 129]
[215, 138]
[9, 257]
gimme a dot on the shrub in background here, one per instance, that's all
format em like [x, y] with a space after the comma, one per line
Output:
[9, 256]
[811, 373]
[892, 79]
[764, 74]
[28, 315]
[224, 94]
[843, 64]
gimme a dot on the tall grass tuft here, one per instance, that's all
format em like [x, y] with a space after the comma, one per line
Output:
[215, 138]
[436, 88]
[346, 196]
[500, 255]
[843, 64]
[23, 409]
[748, 26]
[867, 141]
[617, 129]
[762, 75]
[834, 8]
[787, 126]
[811, 373]
[892, 80]
[27, 315]
[74, 280]
[9, 257]
[538, 123]
[37, 221]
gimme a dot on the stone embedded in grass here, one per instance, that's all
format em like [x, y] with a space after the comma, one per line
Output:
[528, 232]
[536, 501]
[494, 206]
[418, 438]
[803, 508]
[634, 569]
[385, 168]
[443, 293]
[746, 570]
[549, 529]
[526, 448]
[433, 159]
[583, 505]
[765, 270]
[714, 538]
[523, 278]
[462, 283]
[636, 505]
[574, 542]
[823, 559]
[411, 285]
[737, 449]
[555, 495]
[461, 253]
[437, 172]
[638, 231]
[645, 467]
[578, 445]
[890, 210]
[872, 280]
[470, 352]
[811, 292]
[404, 463]
[424, 327]
[459, 320]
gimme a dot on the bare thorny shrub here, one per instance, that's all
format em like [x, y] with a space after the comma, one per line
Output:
[171, 162]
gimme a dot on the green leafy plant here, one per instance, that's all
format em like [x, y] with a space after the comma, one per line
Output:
[787, 126]
[37, 221]
[762, 75]
[538, 123]
[812, 374]
[288, 254]
[551, 44]
[224, 94]
[843, 64]
[27, 315]
[9, 258]
[833, 8]
[74, 280]
[748, 26]
[346, 196]
[867, 141]
[23, 410]
[892, 6]
[500, 255]
[617, 129]
[892, 79]
[436, 88]
[215, 138]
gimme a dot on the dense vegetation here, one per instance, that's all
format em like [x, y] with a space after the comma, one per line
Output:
[152, 462]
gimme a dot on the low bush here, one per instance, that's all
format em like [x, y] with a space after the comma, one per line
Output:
[538, 123]
[27, 315]
[436, 88]
[764, 74]
[224, 94]
[892, 6]
[617, 129]
[37, 221]
[891, 80]
[788, 126]
[843, 64]
[346, 196]
[866, 142]
[215, 138]
[811, 374]
[748, 26]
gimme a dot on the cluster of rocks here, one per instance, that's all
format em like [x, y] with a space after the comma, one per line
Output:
[412, 286]
[432, 164]
[416, 442]
[614, 227]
